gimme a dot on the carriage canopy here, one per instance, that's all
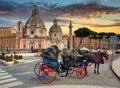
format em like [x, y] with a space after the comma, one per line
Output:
[51, 53]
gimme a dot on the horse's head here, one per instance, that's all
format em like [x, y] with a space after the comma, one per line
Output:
[105, 55]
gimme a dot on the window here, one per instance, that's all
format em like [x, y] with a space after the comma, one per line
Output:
[24, 46]
[32, 32]
[39, 45]
[55, 35]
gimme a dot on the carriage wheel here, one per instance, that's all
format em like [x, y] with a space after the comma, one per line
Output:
[47, 73]
[81, 73]
[62, 72]
[71, 70]
[37, 67]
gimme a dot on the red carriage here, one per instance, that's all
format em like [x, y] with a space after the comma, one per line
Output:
[48, 69]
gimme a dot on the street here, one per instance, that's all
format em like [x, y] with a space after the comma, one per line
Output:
[22, 76]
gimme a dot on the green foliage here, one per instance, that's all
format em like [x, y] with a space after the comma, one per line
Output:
[118, 36]
[68, 51]
[110, 34]
[73, 52]
[18, 57]
[65, 51]
[15, 56]
[11, 56]
[3, 56]
[59, 51]
[84, 32]
[8, 58]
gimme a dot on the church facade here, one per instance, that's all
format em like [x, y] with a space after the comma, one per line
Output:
[34, 34]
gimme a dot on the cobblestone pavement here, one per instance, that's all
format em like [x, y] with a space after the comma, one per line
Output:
[22, 76]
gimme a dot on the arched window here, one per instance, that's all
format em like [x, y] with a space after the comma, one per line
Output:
[32, 32]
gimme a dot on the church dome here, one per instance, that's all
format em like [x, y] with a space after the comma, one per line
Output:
[35, 19]
[55, 28]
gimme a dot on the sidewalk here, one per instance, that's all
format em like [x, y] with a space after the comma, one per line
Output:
[116, 67]
[73, 86]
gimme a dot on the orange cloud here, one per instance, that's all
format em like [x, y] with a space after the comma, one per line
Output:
[4, 12]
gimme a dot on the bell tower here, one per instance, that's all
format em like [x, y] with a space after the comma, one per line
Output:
[20, 26]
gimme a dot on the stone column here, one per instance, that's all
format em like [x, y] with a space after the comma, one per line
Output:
[70, 35]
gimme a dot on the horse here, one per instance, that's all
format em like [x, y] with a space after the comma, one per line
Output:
[96, 58]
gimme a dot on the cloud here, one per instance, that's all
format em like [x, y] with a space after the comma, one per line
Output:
[4, 12]
[92, 2]
[116, 21]
[86, 10]
[8, 7]
[91, 9]
[100, 25]
[105, 0]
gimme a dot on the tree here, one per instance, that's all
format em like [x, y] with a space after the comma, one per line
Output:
[118, 35]
[83, 32]
[110, 34]
[118, 45]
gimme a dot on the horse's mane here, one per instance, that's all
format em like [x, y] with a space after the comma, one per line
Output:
[105, 55]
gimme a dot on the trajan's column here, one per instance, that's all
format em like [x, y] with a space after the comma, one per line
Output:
[70, 35]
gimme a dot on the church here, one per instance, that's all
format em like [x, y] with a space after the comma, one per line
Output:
[34, 34]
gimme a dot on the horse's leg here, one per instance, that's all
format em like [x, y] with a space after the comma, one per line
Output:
[98, 68]
[67, 71]
[86, 71]
[95, 69]
[86, 65]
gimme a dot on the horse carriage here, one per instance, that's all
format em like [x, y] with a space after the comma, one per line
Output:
[48, 69]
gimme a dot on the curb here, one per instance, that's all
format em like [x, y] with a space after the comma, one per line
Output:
[111, 63]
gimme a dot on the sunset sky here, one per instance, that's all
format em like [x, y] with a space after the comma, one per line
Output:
[97, 15]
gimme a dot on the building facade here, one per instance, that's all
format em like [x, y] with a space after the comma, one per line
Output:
[91, 43]
[32, 35]
[35, 34]
[9, 39]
